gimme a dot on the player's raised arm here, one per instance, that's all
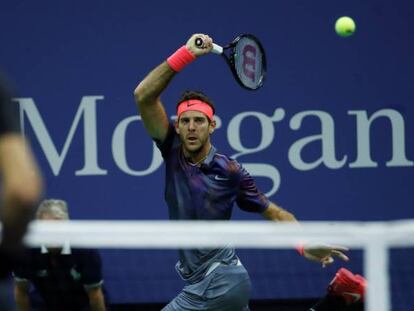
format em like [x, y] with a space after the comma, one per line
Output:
[147, 98]
[147, 93]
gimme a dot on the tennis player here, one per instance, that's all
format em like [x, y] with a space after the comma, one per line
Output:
[203, 184]
[21, 187]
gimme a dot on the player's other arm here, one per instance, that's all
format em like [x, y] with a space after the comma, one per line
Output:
[96, 298]
[21, 295]
[320, 253]
[147, 93]
[276, 213]
[251, 199]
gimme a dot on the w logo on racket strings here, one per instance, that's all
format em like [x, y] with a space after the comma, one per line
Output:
[249, 61]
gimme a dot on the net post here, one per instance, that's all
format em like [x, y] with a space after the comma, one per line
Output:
[376, 270]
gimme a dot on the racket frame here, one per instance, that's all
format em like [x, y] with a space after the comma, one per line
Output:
[230, 59]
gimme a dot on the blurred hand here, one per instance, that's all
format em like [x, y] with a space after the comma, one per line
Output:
[325, 254]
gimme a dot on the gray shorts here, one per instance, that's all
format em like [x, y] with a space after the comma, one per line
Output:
[226, 288]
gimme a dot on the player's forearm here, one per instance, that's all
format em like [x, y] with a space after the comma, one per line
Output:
[149, 89]
[276, 213]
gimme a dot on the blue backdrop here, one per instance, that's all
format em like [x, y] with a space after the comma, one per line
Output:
[328, 137]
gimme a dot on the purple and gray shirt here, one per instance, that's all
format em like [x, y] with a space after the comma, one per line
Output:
[205, 192]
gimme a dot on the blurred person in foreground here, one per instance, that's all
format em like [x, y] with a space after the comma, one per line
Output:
[20, 186]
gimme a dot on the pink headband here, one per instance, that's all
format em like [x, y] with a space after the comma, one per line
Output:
[195, 105]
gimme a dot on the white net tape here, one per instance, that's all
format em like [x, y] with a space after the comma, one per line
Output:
[375, 238]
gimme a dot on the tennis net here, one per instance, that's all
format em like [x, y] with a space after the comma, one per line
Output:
[383, 245]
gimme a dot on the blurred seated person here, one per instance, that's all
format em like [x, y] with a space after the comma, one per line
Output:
[61, 278]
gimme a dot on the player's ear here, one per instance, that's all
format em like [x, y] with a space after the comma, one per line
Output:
[177, 130]
[212, 126]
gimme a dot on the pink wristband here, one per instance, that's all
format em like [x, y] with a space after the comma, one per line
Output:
[181, 58]
[301, 249]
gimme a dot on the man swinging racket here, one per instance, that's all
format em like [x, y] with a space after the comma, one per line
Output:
[203, 184]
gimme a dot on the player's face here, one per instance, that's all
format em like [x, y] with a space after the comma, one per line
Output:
[194, 130]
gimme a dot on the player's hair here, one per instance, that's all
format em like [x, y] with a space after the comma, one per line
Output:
[187, 95]
[53, 207]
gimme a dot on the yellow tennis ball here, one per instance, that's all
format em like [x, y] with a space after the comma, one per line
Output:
[345, 26]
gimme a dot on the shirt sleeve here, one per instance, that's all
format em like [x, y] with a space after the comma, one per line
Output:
[249, 198]
[91, 269]
[170, 141]
[8, 111]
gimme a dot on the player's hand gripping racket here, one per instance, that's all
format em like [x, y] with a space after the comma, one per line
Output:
[246, 59]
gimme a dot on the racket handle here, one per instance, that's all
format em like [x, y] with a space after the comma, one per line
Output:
[217, 49]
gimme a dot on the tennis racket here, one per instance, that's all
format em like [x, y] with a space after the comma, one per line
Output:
[246, 59]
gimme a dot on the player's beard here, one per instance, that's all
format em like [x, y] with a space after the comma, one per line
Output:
[195, 147]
